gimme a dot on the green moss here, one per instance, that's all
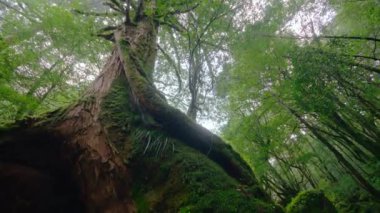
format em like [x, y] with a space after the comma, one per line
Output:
[116, 106]
[167, 175]
[313, 201]
[141, 203]
[186, 181]
[119, 117]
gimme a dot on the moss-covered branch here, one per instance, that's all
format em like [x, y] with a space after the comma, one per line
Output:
[172, 120]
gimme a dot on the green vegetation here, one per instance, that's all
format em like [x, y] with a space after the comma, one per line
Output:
[168, 176]
[292, 85]
[312, 201]
[303, 107]
[47, 56]
[182, 179]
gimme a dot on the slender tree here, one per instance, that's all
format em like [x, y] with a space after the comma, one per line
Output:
[121, 135]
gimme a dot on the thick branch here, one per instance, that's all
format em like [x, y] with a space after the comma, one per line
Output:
[179, 125]
[352, 38]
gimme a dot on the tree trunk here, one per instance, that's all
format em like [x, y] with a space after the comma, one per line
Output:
[362, 182]
[122, 148]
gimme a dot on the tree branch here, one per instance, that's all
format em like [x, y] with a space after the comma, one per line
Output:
[363, 56]
[176, 26]
[352, 38]
[366, 67]
[321, 37]
[91, 13]
[127, 14]
[17, 10]
[115, 5]
[179, 11]
[173, 64]
[179, 125]
[140, 10]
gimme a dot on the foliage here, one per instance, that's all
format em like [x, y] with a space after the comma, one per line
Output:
[191, 57]
[300, 101]
[302, 110]
[49, 54]
[311, 201]
[167, 174]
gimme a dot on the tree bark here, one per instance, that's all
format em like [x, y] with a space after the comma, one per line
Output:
[96, 146]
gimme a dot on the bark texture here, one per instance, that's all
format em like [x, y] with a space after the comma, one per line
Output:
[122, 148]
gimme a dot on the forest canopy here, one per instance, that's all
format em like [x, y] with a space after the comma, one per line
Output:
[292, 85]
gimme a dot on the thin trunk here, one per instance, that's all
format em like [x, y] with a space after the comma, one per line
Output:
[325, 170]
[369, 145]
[358, 177]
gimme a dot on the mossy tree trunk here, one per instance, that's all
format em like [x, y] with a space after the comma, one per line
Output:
[122, 148]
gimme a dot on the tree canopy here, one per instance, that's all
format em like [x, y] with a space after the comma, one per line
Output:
[292, 85]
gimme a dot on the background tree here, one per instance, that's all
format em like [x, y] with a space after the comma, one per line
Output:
[294, 82]
[53, 52]
[120, 147]
[193, 55]
[303, 104]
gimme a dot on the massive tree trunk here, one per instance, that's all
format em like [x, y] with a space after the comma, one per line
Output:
[122, 148]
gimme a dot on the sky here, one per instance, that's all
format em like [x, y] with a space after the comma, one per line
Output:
[309, 21]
